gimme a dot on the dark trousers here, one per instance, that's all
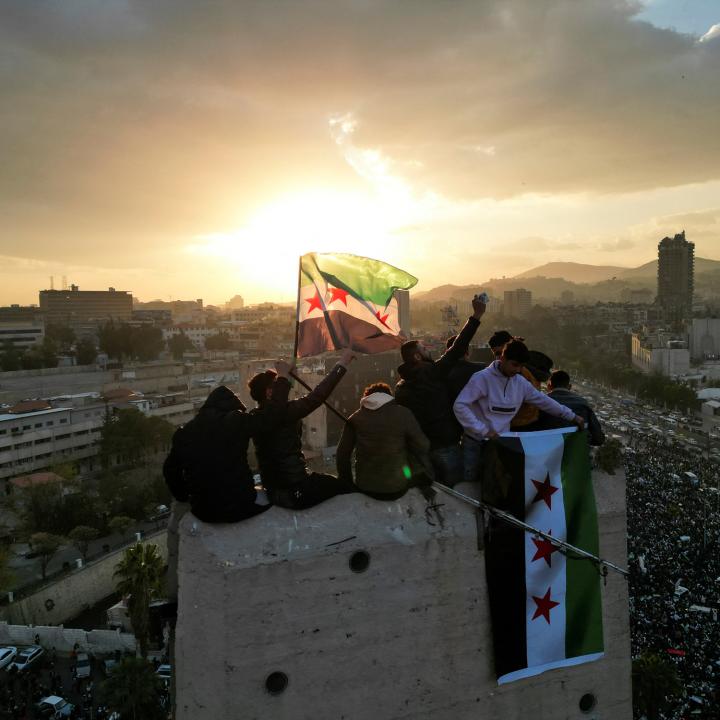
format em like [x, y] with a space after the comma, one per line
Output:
[313, 489]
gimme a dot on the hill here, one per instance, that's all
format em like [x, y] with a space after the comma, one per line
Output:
[575, 272]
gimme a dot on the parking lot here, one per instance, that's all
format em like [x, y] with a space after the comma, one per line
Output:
[52, 674]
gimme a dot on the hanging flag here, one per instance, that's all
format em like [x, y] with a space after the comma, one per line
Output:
[347, 301]
[545, 607]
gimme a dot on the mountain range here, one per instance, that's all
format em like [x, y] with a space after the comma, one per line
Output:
[587, 282]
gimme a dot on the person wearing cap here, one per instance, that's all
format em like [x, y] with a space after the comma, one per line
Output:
[492, 397]
[208, 465]
[536, 372]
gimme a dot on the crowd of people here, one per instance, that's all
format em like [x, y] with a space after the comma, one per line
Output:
[673, 531]
[432, 427]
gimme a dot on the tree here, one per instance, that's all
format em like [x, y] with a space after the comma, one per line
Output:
[221, 341]
[9, 358]
[178, 344]
[140, 572]
[6, 575]
[134, 691]
[130, 436]
[85, 352]
[42, 507]
[82, 536]
[62, 335]
[120, 524]
[655, 684]
[45, 545]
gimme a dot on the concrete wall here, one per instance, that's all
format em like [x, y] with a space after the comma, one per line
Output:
[95, 642]
[408, 638]
[68, 597]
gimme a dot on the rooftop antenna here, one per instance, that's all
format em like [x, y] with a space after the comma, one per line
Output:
[52, 282]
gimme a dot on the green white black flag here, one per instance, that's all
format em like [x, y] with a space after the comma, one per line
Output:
[546, 607]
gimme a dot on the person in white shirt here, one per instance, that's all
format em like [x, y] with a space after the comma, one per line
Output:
[489, 401]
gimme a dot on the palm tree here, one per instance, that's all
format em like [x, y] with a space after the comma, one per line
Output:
[140, 572]
[655, 684]
[134, 691]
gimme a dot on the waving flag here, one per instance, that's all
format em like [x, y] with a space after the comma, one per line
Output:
[348, 301]
[545, 607]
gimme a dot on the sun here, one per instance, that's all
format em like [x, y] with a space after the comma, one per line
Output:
[267, 247]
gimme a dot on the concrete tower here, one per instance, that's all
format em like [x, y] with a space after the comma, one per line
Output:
[676, 272]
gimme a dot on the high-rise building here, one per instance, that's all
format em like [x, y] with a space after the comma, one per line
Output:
[676, 271]
[517, 303]
[403, 301]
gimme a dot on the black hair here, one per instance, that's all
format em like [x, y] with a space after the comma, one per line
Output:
[259, 384]
[499, 338]
[408, 349]
[516, 350]
[560, 379]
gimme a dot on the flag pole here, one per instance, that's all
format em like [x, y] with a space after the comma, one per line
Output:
[512, 520]
[297, 311]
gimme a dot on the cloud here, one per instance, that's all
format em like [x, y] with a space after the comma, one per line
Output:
[711, 34]
[129, 126]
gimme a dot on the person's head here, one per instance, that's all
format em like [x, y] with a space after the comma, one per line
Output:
[514, 356]
[498, 341]
[413, 351]
[379, 387]
[260, 386]
[559, 379]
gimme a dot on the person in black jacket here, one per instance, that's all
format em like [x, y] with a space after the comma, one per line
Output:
[208, 466]
[283, 467]
[559, 389]
[422, 389]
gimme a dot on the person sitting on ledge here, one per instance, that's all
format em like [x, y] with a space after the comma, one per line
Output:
[391, 451]
[208, 466]
[493, 396]
[283, 467]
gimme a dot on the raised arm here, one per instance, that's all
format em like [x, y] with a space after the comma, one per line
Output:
[302, 407]
[463, 407]
[462, 342]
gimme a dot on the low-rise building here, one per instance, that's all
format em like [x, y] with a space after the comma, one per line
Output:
[655, 353]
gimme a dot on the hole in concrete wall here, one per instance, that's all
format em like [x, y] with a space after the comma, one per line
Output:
[587, 702]
[359, 561]
[276, 682]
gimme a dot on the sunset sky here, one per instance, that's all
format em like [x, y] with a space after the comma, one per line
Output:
[184, 149]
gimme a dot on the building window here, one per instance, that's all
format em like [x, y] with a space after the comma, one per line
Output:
[63, 420]
[50, 423]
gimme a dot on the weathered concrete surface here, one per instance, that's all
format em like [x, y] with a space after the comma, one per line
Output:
[95, 642]
[407, 638]
[66, 598]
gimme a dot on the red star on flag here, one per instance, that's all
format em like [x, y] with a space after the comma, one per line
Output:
[544, 606]
[545, 491]
[315, 303]
[545, 549]
[382, 318]
[338, 294]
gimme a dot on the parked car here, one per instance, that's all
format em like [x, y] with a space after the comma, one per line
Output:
[7, 655]
[27, 657]
[54, 707]
[164, 672]
[82, 666]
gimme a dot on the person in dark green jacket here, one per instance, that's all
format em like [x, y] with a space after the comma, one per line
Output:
[391, 451]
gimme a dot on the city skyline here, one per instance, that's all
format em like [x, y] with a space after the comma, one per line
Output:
[181, 153]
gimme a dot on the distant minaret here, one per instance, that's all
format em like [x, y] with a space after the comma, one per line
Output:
[676, 275]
